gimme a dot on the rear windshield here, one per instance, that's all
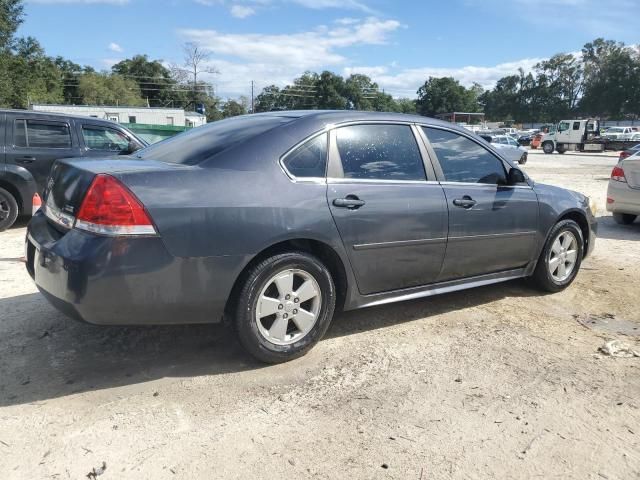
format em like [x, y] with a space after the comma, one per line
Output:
[202, 143]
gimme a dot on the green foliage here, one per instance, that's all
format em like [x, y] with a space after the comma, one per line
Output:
[233, 108]
[11, 16]
[444, 95]
[154, 79]
[330, 91]
[105, 89]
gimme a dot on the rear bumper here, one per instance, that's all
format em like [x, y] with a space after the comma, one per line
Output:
[625, 199]
[126, 280]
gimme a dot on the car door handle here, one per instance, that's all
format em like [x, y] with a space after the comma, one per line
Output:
[26, 160]
[464, 202]
[350, 201]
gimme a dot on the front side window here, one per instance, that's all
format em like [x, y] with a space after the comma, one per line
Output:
[309, 160]
[576, 125]
[512, 142]
[107, 139]
[37, 134]
[463, 160]
[563, 126]
[380, 152]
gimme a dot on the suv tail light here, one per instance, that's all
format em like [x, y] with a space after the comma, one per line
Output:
[110, 208]
[618, 174]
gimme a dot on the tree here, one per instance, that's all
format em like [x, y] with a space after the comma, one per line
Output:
[11, 17]
[443, 95]
[105, 89]
[233, 108]
[156, 84]
[611, 79]
[269, 100]
[194, 66]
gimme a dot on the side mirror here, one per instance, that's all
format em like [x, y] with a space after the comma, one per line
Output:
[516, 176]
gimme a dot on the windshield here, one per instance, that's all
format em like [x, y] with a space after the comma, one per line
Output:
[616, 130]
[202, 143]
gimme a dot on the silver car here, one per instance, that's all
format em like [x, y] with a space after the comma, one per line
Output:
[509, 147]
[623, 194]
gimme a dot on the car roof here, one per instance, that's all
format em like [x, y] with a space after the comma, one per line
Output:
[343, 116]
[61, 115]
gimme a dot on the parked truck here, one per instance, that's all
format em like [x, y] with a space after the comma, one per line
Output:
[574, 135]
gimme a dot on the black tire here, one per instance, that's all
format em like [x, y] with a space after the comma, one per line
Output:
[523, 159]
[542, 277]
[245, 320]
[8, 210]
[547, 147]
[624, 218]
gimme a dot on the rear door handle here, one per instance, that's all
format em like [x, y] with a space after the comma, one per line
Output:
[350, 201]
[465, 202]
[26, 160]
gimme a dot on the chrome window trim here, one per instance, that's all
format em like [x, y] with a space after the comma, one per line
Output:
[472, 184]
[342, 180]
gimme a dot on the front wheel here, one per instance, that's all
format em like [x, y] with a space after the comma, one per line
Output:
[523, 159]
[561, 257]
[624, 218]
[285, 307]
[547, 147]
[8, 209]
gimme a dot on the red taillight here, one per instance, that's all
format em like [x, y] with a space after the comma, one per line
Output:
[110, 208]
[618, 174]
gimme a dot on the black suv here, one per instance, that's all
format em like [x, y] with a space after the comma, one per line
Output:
[31, 141]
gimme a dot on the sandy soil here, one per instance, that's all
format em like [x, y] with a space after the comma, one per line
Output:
[498, 382]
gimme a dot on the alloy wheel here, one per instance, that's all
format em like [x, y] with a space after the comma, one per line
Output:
[563, 256]
[288, 306]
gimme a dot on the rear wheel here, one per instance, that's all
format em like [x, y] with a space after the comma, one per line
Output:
[8, 209]
[624, 218]
[547, 147]
[285, 307]
[561, 257]
[561, 148]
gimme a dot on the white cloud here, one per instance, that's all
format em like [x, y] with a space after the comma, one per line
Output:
[297, 51]
[242, 11]
[278, 59]
[87, 2]
[114, 47]
[244, 8]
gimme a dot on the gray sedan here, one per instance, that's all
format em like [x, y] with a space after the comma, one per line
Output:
[273, 221]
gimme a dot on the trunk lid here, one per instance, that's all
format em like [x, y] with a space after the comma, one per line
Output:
[631, 167]
[70, 179]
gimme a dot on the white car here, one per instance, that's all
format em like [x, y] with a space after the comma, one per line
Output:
[619, 133]
[510, 148]
[623, 194]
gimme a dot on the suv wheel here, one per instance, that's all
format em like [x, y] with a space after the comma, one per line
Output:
[8, 209]
[285, 307]
[624, 218]
[547, 147]
[561, 257]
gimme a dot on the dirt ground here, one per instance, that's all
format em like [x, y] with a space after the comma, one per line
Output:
[498, 382]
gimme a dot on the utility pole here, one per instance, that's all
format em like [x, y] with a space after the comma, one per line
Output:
[252, 97]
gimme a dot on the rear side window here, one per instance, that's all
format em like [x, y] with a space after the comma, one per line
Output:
[463, 160]
[309, 160]
[380, 152]
[37, 134]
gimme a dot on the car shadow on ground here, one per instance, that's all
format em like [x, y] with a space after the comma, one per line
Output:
[608, 228]
[44, 355]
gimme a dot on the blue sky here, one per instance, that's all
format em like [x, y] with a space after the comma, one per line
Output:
[398, 43]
